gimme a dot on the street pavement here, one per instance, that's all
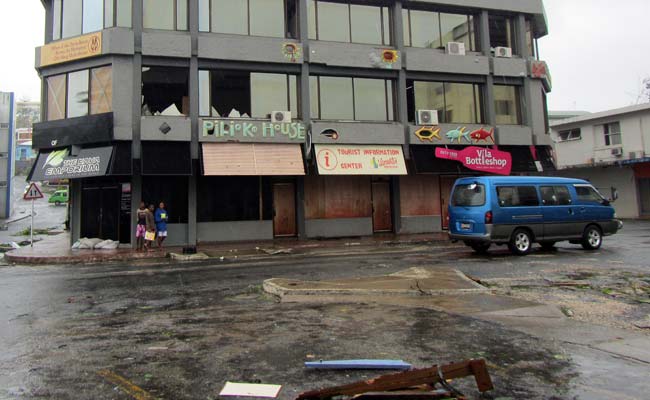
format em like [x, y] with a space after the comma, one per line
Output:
[181, 330]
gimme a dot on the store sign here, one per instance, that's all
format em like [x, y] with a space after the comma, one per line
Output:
[360, 160]
[253, 131]
[480, 159]
[59, 164]
[72, 49]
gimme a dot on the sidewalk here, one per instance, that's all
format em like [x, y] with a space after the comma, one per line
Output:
[56, 249]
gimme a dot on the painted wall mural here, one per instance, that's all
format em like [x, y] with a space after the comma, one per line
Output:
[459, 133]
[291, 51]
[428, 133]
[482, 134]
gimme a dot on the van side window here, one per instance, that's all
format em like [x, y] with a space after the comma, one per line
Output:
[517, 196]
[555, 195]
[588, 194]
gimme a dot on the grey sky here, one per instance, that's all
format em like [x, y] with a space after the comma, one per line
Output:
[597, 50]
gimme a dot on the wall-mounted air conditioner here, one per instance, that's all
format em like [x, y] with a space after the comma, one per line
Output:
[281, 117]
[503, 52]
[426, 117]
[617, 152]
[456, 48]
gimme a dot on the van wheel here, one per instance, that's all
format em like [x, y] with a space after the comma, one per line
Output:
[521, 242]
[548, 245]
[480, 247]
[592, 238]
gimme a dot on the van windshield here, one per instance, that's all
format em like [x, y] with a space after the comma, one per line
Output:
[471, 195]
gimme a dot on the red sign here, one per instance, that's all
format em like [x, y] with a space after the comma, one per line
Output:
[479, 159]
[33, 193]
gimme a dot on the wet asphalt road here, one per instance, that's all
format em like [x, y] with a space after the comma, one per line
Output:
[179, 331]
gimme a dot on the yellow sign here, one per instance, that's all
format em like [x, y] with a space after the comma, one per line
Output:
[360, 160]
[72, 49]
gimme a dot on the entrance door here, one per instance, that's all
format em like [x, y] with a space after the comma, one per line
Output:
[446, 184]
[382, 220]
[284, 209]
[644, 195]
[100, 210]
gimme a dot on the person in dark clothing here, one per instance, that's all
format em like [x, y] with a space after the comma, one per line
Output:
[150, 234]
[141, 227]
[161, 218]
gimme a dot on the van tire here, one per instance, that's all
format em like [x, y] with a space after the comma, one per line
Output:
[592, 238]
[480, 247]
[521, 242]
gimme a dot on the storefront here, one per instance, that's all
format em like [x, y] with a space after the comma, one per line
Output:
[642, 175]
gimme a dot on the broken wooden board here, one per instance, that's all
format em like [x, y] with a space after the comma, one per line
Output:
[359, 364]
[250, 390]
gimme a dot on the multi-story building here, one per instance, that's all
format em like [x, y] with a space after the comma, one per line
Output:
[7, 145]
[254, 119]
[612, 150]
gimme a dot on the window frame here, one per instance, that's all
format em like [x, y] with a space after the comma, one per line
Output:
[472, 20]
[390, 115]
[57, 23]
[513, 32]
[286, 28]
[569, 135]
[387, 36]
[176, 20]
[555, 192]
[517, 188]
[517, 102]
[608, 134]
[599, 198]
[66, 97]
[478, 94]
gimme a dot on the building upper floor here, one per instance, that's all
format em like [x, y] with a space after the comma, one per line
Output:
[619, 136]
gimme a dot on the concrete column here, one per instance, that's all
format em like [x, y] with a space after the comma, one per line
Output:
[300, 207]
[520, 32]
[136, 198]
[192, 227]
[49, 22]
[136, 179]
[488, 91]
[522, 49]
[305, 108]
[75, 210]
[398, 43]
[396, 204]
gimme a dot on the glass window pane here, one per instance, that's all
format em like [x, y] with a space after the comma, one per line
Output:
[204, 15]
[204, 93]
[267, 18]
[230, 16]
[455, 28]
[294, 107]
[389, 98]
[459, 103]
[77, 94]
[333, 22]
[93, 15]
[386, 25]
[430, 96]
[268, 93]
[124, 13]
[370, 99]
[313, 97]
[311, 12]
[336, 98]
[506, 105]
[56, 87]
[109, 18]
[71, 18]
[181, 15]
[56, 20]
[159, 14]
[530, 40]
[406, 25]
[101, 90]
[425, 30]
[478, 100]
[366, 24]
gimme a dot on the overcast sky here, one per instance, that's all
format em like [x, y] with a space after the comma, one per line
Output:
[598, 50]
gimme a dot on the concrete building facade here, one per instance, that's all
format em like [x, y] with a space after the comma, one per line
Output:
[7, 150]
[261, 119]
[612, 150]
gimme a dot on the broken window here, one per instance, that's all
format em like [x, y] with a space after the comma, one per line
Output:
[271, 18]
[244, 94]
[502, 32]
[165, 91]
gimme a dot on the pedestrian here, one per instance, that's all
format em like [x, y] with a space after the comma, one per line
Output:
[161, 218]
[150, 234]
[141, 227]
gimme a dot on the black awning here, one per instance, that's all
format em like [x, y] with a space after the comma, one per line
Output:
[59, 164]
[166, 158]
[426, 162]
[78, 131]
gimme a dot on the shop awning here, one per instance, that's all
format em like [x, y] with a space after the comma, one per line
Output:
[251, 159]
[59, 164]
[89, 129]
[343, 159]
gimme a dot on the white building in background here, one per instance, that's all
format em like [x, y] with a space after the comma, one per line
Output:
[7, 151]
[612, 150]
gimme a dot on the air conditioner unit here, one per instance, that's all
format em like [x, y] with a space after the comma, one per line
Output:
[503, 52]
[426, 117]
[456, 48]
[617, 152]
[632, 155]
[281, 117]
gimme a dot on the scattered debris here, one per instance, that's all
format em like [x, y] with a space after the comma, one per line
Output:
[408, 379]
[188, 257]
[250, 390]
[359, 364]
[125, 385]
[274, 252]
[567, 311]
[158, 348]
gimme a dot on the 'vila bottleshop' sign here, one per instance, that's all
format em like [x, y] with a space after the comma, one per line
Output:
[479, 159]
[221, 130]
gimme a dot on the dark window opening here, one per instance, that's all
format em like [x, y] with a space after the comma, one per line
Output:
[165, 91]
[555, 195]
[234, 198]
[171, 190]
[571, 134]
[517, 196]
[166, 158]
[502, 32]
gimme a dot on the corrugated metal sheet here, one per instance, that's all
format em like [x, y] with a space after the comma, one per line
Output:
[251, 159]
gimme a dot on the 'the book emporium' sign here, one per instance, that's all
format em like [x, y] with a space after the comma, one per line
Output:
[480, 159]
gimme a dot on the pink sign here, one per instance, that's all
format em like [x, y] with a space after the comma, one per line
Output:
[479, 159]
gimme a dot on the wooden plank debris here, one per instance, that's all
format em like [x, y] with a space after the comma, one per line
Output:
[359, 364]
[250, 390]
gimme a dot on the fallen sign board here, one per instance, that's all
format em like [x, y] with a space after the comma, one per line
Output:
[33, 192]
[358, 364]
[250, 390]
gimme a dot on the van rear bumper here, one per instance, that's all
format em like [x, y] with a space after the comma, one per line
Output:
[473, 237]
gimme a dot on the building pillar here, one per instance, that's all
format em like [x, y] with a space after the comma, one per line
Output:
[305, 110]
[401, 98]
[193, 92]
[396, 204]
[488, 91]
[522, 49]
[75, 210]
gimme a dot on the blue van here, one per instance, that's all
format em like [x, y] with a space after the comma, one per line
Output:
[518, 211]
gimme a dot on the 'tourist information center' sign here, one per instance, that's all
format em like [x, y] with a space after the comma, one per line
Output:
[480, 159]
[59, 164]
[360, 160]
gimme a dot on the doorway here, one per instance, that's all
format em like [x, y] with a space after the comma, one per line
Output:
[100, 211]
[382, 220]
[446, 184]
[644, 195]
[284, 209]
